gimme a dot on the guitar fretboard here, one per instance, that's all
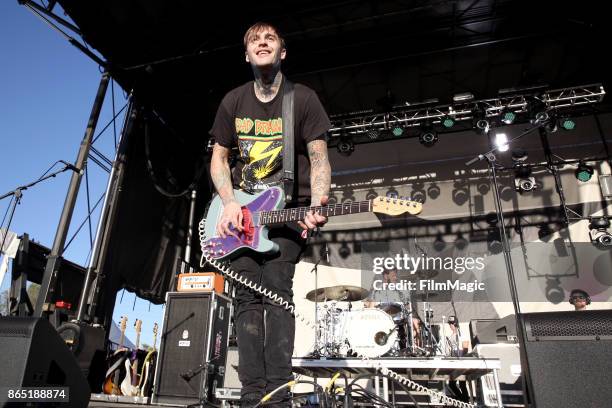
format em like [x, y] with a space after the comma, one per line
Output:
[299, 213]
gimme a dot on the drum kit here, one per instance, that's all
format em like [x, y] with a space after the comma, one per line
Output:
[388, 329]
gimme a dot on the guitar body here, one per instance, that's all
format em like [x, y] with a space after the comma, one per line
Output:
[110, 388]
[266, 208]
[126, 385]
[254, 236]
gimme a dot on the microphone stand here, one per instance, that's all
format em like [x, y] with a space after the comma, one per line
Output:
[17, 194]
[542, 119]
[316, 352]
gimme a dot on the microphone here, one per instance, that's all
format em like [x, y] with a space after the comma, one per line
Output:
[70, 166]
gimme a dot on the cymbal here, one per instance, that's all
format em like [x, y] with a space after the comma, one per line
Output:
[340, 292]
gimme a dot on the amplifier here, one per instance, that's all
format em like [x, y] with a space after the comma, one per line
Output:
[193, 348]
[510, 380]
[200, 282]
[569, 356]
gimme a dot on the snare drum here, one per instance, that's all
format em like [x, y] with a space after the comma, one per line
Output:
[369, 332]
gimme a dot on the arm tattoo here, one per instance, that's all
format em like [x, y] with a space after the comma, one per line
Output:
[320, 170]
[220, 173]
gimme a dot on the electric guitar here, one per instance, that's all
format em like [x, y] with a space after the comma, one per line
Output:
[129, 385]
[111, 384]
[266, 208]
[146, 378]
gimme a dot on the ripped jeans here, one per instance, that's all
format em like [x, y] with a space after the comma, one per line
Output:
[265, 330]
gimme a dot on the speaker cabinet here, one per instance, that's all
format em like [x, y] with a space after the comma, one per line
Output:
[33, 355]
[510, 380]
[570, 356]
[193, 348]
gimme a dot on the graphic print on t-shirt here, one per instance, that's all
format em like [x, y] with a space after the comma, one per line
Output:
[261, 145]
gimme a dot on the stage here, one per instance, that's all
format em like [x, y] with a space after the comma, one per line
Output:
[413, 368]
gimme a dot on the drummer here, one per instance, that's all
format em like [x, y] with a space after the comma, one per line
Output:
[380, 298]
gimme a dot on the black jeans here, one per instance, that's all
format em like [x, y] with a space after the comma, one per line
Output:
[265, 330]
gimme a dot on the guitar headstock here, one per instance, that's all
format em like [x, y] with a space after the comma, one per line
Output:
[123, 325]
[154, 335]
[395, 206]
[138, 325]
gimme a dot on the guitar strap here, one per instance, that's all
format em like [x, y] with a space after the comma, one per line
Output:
[116, 365]
[288, 141]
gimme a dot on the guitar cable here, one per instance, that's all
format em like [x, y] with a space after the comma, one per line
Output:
[226, 270]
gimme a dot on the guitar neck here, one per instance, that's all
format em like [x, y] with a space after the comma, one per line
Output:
[299, 213]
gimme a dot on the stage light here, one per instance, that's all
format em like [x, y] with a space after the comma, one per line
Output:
[583, 172]
[544, 233]
[523, 181]
[428, 138]
[460, 194]
[371, 194]
[439, 244]
[448, 121]
[418, 194]
[491, 219]
[345, 146]
[433, 191]
[463, 97]
[332, 199]
[494, 242]
[373, 134]
[392, 193]
[483, 187]
[398, 131]
[460, 242]
[554, 292]
[506, 192]
[507, 116]
[344, 251]
[479, 120]
[501, 142]
[536, 109]
[347, 196]
[598, 232]
[568, 124]
[519, 155]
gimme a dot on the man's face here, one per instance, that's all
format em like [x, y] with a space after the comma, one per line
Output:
[264, 48]
[391, 276]
[579, 301]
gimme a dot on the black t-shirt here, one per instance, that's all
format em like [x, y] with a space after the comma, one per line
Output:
[256, 127]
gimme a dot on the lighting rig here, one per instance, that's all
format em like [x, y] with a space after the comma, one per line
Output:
[368, 126]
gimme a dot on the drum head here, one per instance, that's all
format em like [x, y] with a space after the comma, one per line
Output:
[369, 332]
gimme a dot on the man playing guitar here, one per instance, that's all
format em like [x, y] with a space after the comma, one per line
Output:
[250, 117]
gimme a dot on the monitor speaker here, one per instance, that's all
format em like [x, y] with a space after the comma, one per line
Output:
[493, 331]
[193, 348]
[34, 355]
[569, 356]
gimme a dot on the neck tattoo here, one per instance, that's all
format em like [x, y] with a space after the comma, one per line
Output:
[266, 85]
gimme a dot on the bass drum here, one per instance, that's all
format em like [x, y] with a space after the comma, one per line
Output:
[369, 332]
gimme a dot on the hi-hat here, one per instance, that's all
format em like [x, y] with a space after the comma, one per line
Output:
[340, 292]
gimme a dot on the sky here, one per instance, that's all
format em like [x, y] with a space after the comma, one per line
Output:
[47, 88]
